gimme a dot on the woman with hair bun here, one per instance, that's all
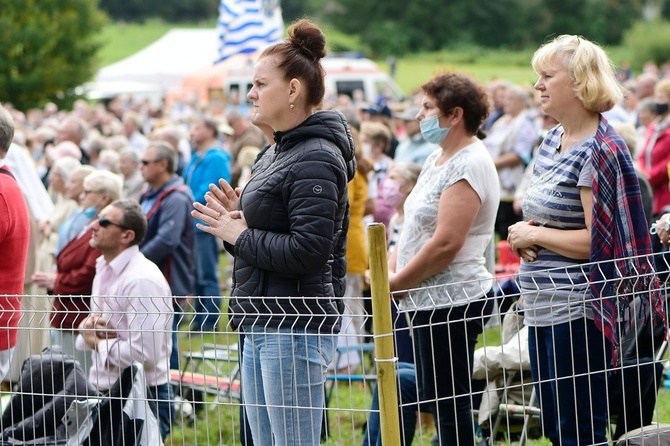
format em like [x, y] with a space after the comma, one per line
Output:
[287, 231]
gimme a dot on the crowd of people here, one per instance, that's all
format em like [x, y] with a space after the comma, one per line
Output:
[129, 200]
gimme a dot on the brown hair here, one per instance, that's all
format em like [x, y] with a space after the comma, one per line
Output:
[299, 57]
[211, 125]
[377, 132]
[132, 218]
[363, 165]
[452, 90]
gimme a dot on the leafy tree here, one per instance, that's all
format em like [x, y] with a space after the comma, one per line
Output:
[601, 20]
[507, 23]
[130, 10]
[180, 10]
[619, 16]
[356, 16]
[383, 39]
[170, 10]
[647, 41]
[294, 9]
[417, 25]
[431, 24]
[48, 47]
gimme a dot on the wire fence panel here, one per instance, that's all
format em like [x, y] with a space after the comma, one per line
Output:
[463, 370]
[489, 391]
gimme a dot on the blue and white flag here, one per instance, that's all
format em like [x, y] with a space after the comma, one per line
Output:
[246, 26]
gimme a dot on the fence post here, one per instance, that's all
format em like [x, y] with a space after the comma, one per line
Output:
[383, 336]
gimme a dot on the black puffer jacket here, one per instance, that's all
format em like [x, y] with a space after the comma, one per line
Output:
[296, 206]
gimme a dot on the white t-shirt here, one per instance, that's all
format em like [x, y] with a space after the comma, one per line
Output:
[467, 278]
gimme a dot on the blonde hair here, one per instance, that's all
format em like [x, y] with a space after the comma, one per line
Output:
[377, 132]
[663, 86]
[106, 182]
[110, 159]
[409, 171]
[588, 66]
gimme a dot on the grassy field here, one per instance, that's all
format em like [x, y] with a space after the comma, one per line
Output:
[123, 39]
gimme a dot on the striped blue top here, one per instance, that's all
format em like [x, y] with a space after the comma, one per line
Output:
[555, 287]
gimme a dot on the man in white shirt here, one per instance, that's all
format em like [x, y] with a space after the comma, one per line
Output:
[131, 309]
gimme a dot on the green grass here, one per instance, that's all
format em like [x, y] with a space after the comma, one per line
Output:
[124, 39]
[121, 39]
[412, 71]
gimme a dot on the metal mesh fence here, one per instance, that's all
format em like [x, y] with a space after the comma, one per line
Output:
[457, 366]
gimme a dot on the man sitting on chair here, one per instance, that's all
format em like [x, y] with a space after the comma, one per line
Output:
[131, 309]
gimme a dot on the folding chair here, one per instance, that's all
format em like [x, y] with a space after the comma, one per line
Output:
[214, 370]
[367, 377]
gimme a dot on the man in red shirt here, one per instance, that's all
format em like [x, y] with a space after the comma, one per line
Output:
[14, 239]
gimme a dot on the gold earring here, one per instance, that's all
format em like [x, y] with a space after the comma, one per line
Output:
[291, 106]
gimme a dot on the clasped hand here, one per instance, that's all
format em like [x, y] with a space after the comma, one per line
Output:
[220, 215]
[95, 328]
[520, 239]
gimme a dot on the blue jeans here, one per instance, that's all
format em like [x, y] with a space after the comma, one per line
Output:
[407, 398]
[206, 281]
[283, 377]
[161, 400]
[569, 361]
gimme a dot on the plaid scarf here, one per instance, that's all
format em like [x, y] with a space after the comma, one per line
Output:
[620, 243]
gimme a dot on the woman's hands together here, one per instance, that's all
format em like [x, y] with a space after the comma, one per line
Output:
[520, 239]
[220, 214]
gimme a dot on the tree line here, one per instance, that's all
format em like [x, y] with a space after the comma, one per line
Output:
[402, 26]
[49, 46]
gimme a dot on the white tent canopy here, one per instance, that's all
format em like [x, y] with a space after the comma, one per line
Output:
[163, 64]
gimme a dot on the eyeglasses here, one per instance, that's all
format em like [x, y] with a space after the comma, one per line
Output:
[86, 192]
[147, 162]
[104, 222]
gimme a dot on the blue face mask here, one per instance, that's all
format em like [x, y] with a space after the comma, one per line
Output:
[431, 130]
[90, 212]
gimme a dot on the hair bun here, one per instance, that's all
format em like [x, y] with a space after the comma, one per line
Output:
[308, 38]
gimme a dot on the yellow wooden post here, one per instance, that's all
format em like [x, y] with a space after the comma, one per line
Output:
[383, 335]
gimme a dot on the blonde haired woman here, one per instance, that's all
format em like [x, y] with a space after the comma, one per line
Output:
[583, 205]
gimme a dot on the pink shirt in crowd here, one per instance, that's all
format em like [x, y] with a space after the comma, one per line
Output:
[133, 294]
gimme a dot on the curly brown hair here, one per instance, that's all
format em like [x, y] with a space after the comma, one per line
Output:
[451, 90]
